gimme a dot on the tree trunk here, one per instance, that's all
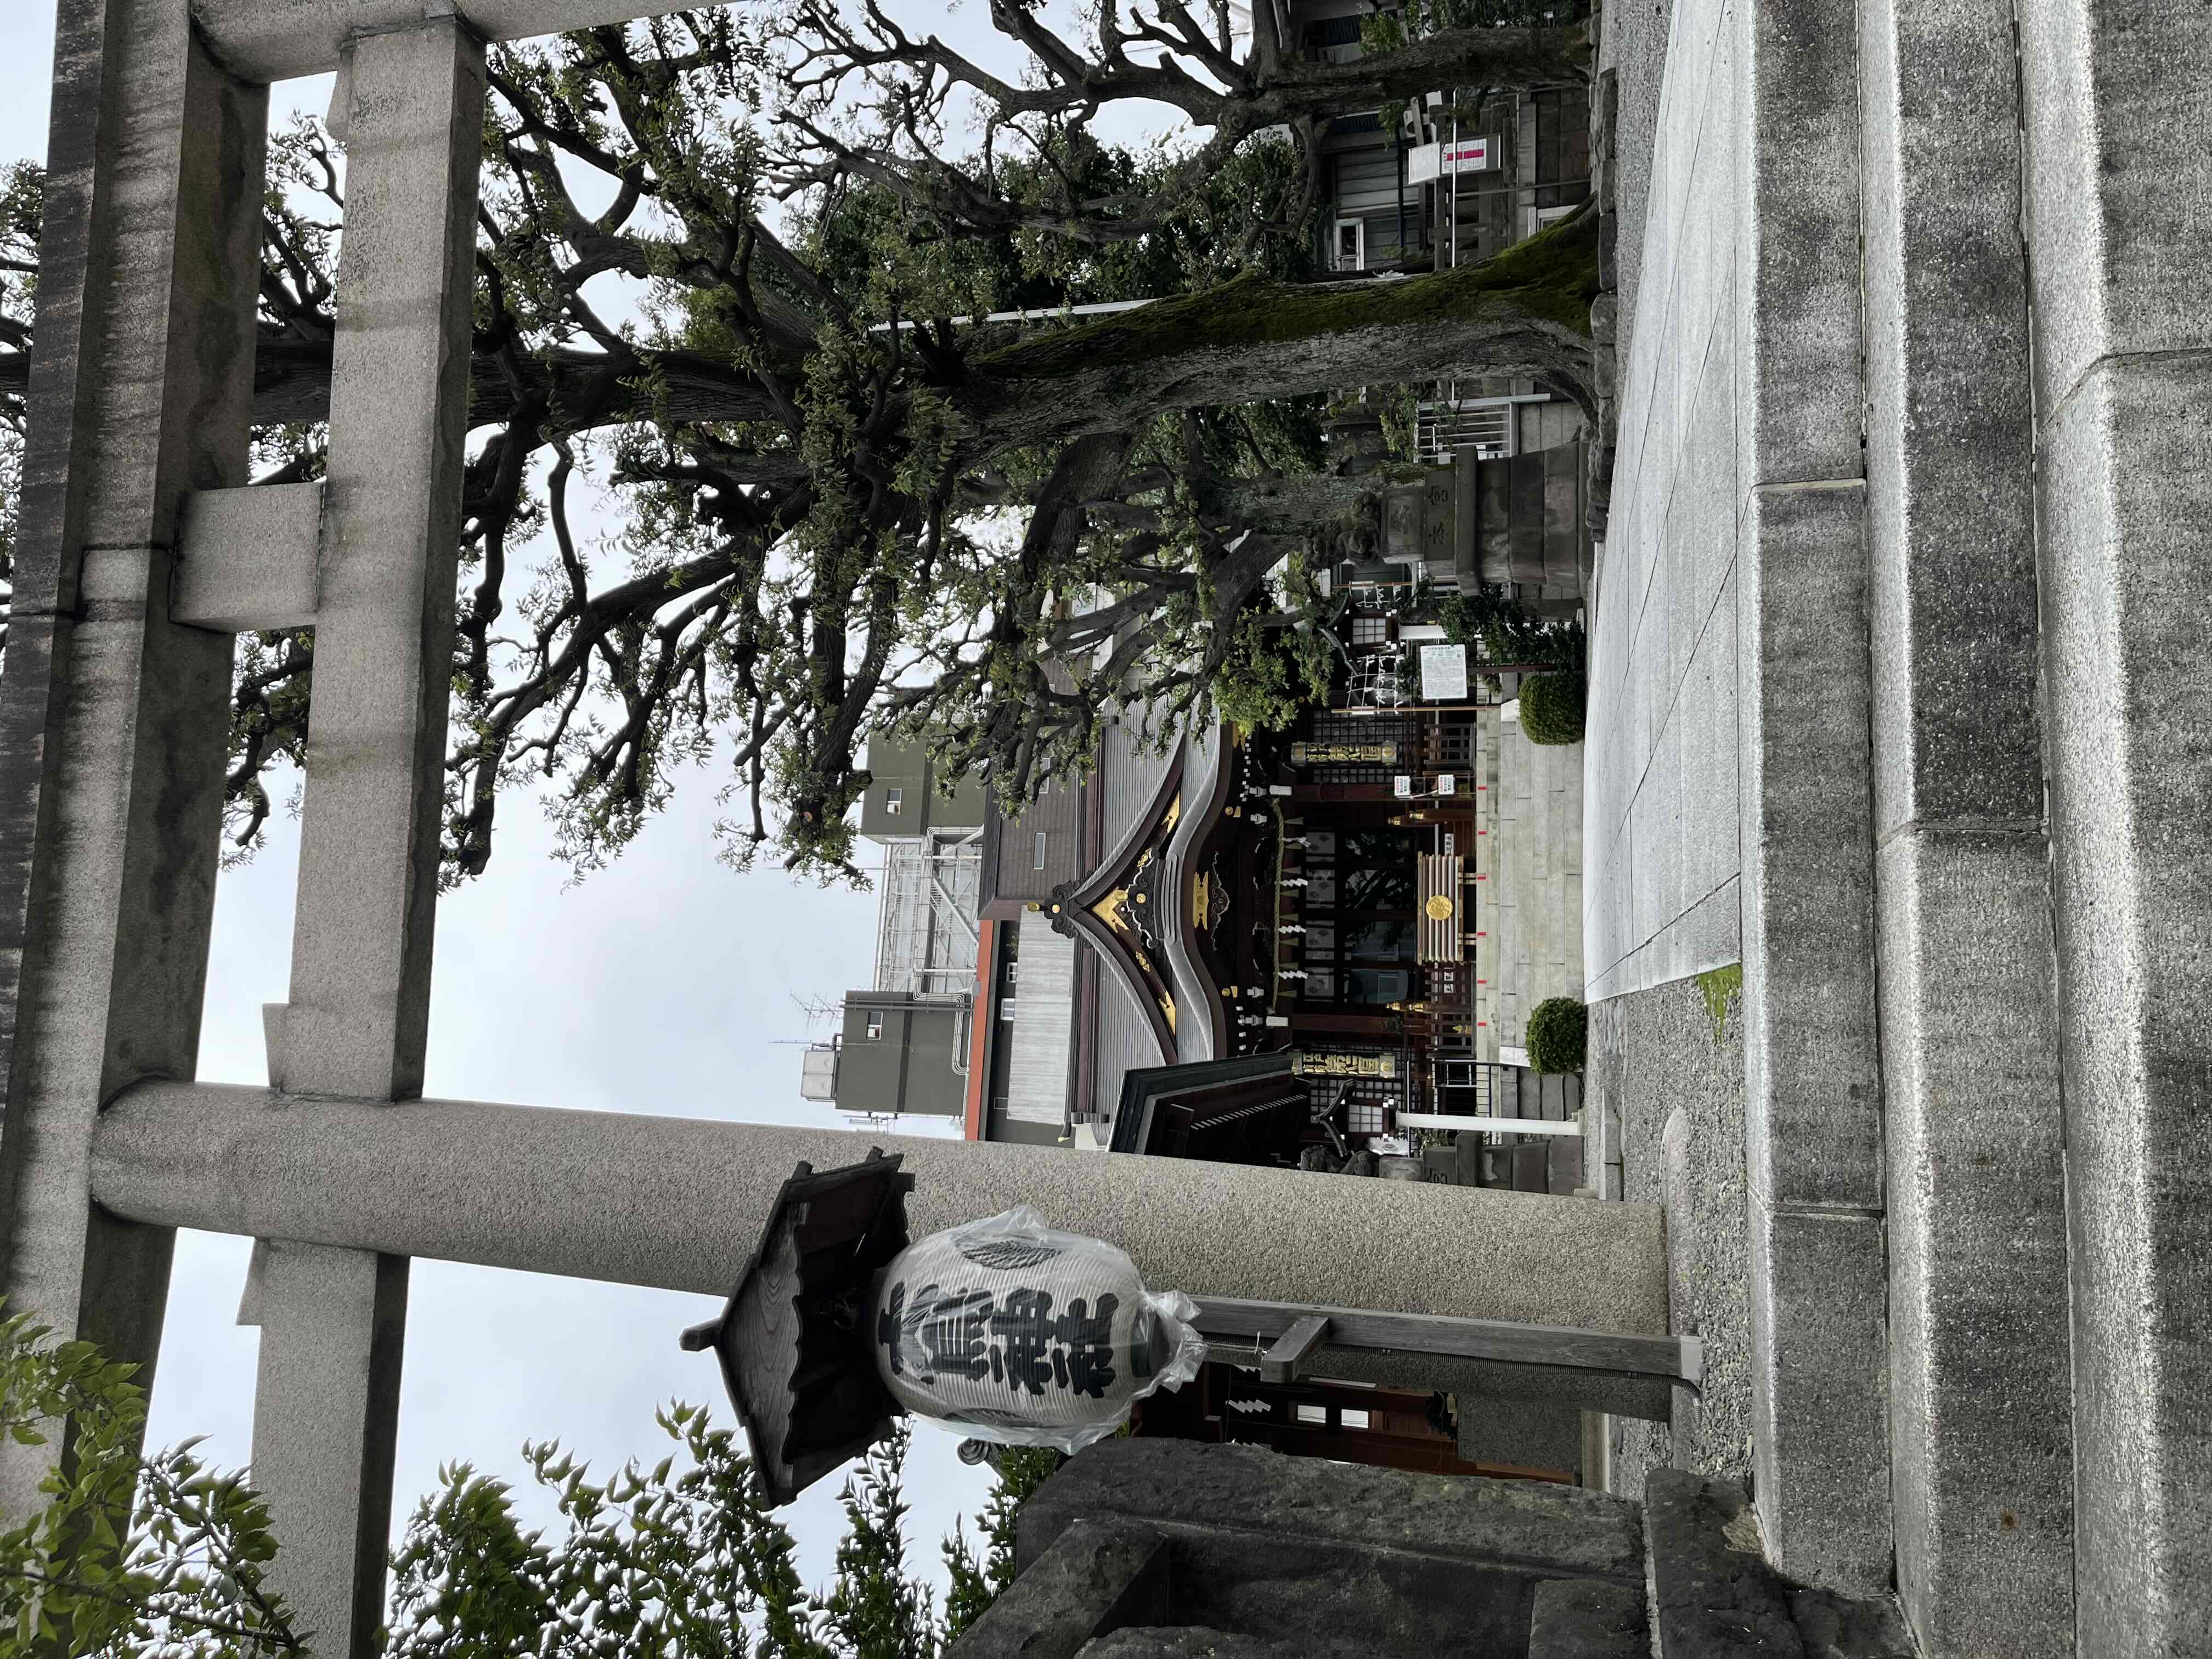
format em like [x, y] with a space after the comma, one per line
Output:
[1525, 312]
[1454, 57]
[1293, 506]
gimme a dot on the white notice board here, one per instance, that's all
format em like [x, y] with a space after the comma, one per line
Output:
[1424, 162]
[1444, 674]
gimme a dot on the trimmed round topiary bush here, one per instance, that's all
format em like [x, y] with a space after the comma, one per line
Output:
[1552, 708]
[1558, 1032]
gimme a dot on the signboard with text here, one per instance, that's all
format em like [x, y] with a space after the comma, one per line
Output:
[1444, 674]
[1424, 162]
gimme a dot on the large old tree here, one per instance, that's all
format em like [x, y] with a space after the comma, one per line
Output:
[724, 275]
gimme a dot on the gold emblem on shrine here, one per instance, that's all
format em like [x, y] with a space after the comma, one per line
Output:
[1108, 909]
[1439, 906]
[1335, 754]
[1312, 1063]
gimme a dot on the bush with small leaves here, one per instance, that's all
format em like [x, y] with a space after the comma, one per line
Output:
[132, 1557]
[1558, 1033]
[156, 1557]
[1552, 708]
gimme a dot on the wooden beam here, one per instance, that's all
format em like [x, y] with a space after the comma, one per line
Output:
[1293, 1352]
[1229, 1320]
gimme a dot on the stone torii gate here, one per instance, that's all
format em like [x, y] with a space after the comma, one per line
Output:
[141, 555]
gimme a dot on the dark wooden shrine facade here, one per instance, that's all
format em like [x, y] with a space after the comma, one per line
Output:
[1254, 1109]
[1388, 1428]
[1376, 955]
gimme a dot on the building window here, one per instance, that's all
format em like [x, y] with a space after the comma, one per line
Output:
[1014, 971]
[894, 801]
[1352, 1417]
[1380, 938]
[1376, 986]
[1562, 148]
[1313, 1414]
[1327, 39]
[1039, 864]
[1006, 1008]
[875, 1028]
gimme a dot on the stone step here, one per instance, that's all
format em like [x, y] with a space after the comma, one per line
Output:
[1714, 1595]
[1980, 1390]
[1964, 473]
[2116, 109]
[1566, 1172]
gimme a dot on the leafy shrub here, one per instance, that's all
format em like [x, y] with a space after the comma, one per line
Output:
[158, 1557]
[1552, 708]
[1506, 633]
[1559, 1035]
[1271, 674]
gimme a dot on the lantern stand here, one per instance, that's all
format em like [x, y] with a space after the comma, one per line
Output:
[797, 1353]
[793, 1341]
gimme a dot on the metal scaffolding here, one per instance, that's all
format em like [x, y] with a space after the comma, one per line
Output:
[926, 937]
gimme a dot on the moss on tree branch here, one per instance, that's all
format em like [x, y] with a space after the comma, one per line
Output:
[1552, 277]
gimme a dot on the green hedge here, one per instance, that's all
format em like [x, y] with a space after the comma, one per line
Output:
[1552, 708]
[1558, 1033]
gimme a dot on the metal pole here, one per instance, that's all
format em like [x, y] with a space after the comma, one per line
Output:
[1451, 158]
[1512, 1126]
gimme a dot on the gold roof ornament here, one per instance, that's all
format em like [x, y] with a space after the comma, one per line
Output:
[1438, 878]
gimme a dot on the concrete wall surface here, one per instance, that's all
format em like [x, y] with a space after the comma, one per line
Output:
[2117, 107]
[1900, 628]
[1734, 553]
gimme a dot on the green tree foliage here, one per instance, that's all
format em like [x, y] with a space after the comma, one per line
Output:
[22, 205]
[130, 1557]
[1274, 667]
[682, 1559]
[158, 1558]
[728, 279]
[978, 1582]
[1505, 632]
[875, 1611]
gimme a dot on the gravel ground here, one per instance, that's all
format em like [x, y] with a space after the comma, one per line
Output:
[1656, 1059]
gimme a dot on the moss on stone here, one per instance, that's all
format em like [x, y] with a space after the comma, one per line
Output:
[1720, 986]
[1552, 275]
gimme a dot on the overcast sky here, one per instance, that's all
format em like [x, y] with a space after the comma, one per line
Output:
[664, 984]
